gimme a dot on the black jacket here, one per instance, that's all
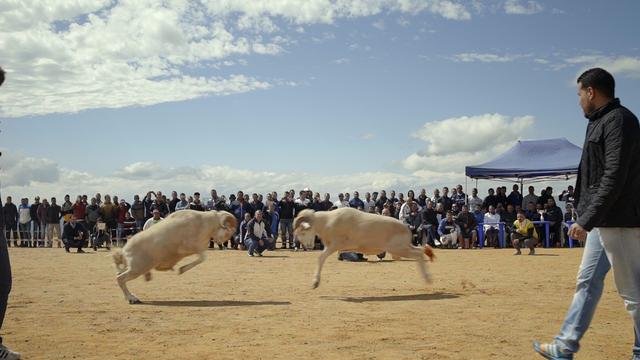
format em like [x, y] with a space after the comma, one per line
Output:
[10, 214]
[608, 184]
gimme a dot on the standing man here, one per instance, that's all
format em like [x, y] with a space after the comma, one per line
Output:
[5, 275]
[608, 179]
[11, 221]
[24, 222]
[37, 230]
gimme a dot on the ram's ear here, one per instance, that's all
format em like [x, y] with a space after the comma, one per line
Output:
[305, 225]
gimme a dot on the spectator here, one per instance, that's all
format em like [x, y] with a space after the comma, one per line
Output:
[414, 221]
[341, 202]
[42, 218]
[501, 197]
[138, 213]
[523, 233]
[11, 217]
[148, 202]
[474, 200]
[455, 209]
[93, 214]
[174, 200]
[161, 205]
[508, 216]
[405, 209]
[242, 234]
[449, 231]
[460, 197]
[491, 221]
[369, 203]
[66, 209]
[109, 214]
[183, 204]
[490, 200]
[272, 198]
[316, 203]
[445, 200]
[423, 198]
[568, 196]
[356, 202]
[554, 216]
[53, 223]
[478, 214]
[436, 197]
[440, 213]
[257, 204]
[515, 198]
[98, 199]
[272, 218]
[531, 213]
[326, 203]
[79, 211]
[430, 223]
[382, 200]
[36, 225]
[392, 197]
[286, 212]
[381, 256]
[73, 235]
[155, 218]
[256, 238]
[123, 214]
[530, 198]
[24, 222]
[468, 227]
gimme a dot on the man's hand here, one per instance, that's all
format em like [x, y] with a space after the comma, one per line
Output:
[578, 232]
[261, 242]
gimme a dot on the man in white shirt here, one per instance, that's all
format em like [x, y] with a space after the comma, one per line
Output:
[491, 227]
[152, 221]
[341, 202]
[474, 200]
[529, 198]
[369, 204]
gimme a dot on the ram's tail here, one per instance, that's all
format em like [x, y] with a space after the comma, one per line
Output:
[428, 250]
[119, 260]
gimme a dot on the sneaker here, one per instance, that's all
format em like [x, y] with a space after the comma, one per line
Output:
[80, 251]
[66, 249]
[7, 354]
[250, 255]
[260, 254]
[552, 351]
[517, 252]
[532, 252]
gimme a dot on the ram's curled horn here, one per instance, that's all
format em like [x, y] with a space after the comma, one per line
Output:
[227, 221]
[305, 217]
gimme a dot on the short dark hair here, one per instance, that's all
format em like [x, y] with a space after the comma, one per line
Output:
[599, 79]
[1, 76]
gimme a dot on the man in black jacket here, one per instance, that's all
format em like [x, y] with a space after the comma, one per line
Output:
[608, 206]
[11, 221]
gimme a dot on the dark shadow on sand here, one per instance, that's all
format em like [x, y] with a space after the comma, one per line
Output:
[537, 254]
[214, 303]
[415, 297]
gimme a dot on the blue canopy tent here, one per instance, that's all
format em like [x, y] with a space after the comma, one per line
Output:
[531, 159]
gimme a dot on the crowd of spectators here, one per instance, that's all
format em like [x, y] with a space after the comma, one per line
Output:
[446, 218]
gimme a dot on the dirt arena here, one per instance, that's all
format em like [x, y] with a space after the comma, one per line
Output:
[483, 304]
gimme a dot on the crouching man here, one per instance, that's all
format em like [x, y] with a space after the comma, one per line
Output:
[73, 235]
[449, 231]
[256, 239]
[524, 233]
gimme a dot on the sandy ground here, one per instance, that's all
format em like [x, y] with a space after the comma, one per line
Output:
[483, 304]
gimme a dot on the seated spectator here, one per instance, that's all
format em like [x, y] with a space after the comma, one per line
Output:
[468, 227]
[381, 256]
[523, 233]
[568, 196]
[554, 216]
[272, 219]
[531, 212]
[256, 238]
[72, 235]
[430, 224]
[491, 228]
[478, 214]
[449, 231]
[455, 209]
[508, 217]
[153, 220]
[413, 221]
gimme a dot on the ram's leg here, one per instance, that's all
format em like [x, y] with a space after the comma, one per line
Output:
[191, 265]
[323, 257]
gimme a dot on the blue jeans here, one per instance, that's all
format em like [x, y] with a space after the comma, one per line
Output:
[603, 248]
[254, 245]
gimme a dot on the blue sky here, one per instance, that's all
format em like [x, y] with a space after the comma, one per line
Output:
[336, 95]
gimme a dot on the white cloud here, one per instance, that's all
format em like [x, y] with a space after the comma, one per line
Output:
[484, 57]
[622, 65]
[341, 61]
[69, 56]
[556, 11]
[454, 143]
[519, 7]
[138, 178]
[379, 24]
[368, 136]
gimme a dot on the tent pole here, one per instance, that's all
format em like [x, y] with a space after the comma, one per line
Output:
[466, 190]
